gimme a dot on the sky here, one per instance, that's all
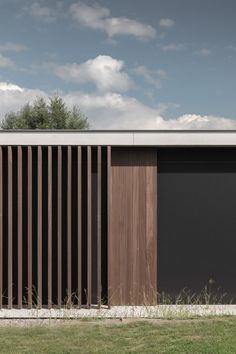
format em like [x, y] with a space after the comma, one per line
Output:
[127, 64]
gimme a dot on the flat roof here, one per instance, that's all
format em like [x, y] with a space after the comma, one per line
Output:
[120, 137]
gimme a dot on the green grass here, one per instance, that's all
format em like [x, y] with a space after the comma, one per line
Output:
[212, 335]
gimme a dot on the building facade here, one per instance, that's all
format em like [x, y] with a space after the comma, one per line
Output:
[113, 217]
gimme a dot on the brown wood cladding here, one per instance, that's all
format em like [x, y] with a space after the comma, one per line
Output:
[132, 226]
[29, 225]
[77, 226]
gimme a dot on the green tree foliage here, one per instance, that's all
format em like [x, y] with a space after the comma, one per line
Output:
[42, 115]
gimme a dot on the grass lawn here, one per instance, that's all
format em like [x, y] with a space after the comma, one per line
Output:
[215, 335]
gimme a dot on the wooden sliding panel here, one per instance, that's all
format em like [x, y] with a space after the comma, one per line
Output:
[19, 221]
[1, 226]
[49, 226]
[10, 220]
[132, 226]
[59, 225]
[79, 222]
[89, 226]
[29, 225]
[39, 217]
[99, 230]
[69, 181]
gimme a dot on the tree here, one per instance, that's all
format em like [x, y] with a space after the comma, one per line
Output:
[42, 115]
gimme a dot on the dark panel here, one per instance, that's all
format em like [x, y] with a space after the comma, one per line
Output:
[132, 226]
[197, 224]
[1, 227]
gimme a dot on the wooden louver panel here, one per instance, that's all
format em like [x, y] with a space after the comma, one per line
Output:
[50, 234]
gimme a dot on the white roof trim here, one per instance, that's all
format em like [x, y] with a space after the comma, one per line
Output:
[120, 138]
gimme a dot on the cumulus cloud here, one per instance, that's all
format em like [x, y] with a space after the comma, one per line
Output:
[13, 97]
[166, 23]
[113, 110]
[12, 47]
[103, 71]
[5, 62]
[99, 18]
[152, 77]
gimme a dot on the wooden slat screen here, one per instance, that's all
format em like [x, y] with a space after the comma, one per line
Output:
[51, 234]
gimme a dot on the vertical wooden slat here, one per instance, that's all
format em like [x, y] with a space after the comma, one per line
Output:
[89, 226]
[39, 245]
[69, 165]
[79, 217]
[59, 225]
[108, 221]
[99, 199]
[19, 217]
[49, 226]
[29, 225]
[1, 227]
[9, 162]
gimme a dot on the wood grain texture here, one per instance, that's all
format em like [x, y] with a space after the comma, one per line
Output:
[69, 181]
[29, 224]
[10, 226]
[89, 226]
[19, 221]
[49, 226]
[132, 226]
[109, 200]
[59, 225]
[79, 222]
[99, 224]
[39, 227]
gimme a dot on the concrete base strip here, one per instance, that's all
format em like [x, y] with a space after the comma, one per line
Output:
[161, 311]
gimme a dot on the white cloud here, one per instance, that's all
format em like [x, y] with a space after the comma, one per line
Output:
[204, 52]
[98, 18]
[40, 12]
[152, 77]
[12, 47]
[173, 47]
[166, 23]
[13, 97]
[103, 71]
[5, 62]
[113, 110]
[6, 86]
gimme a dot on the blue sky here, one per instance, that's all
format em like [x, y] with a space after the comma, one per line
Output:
[153, 64]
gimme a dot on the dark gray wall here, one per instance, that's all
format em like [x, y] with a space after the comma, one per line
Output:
[196, 219]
